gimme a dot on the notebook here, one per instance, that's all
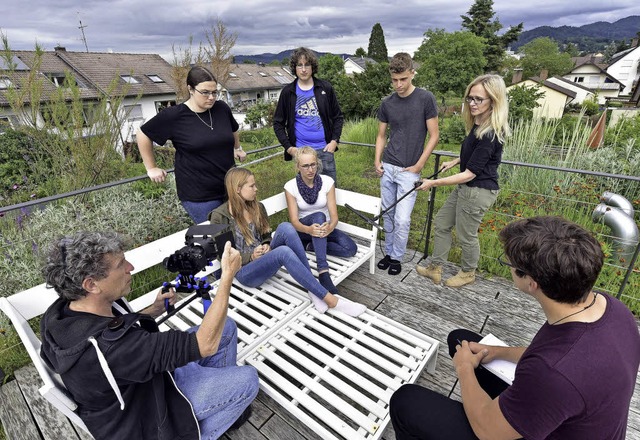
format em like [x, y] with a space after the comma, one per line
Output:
[505, 370]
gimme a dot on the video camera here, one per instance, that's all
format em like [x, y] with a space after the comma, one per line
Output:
[204, 243]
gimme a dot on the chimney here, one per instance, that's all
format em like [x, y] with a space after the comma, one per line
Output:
[634, 42]
[517, 75]
[544, 74]
[59, 48]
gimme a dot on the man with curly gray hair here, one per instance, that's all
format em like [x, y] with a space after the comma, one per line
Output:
[128, 379]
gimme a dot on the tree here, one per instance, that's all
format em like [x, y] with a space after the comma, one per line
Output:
[377, 47]
[543, 54]
[331, 68]
[220, 43]
[522, 101]
[360, 52]
[479, 22]
[360, 96]
[449, 61]
[571, 49]
[260, 114]
[183, 59]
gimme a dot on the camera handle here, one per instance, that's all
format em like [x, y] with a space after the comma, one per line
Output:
[187, 284]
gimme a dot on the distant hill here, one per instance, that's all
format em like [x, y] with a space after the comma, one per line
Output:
[590, 37]
[268, 57]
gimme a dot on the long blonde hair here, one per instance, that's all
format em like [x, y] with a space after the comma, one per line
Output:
[235, 179]
[497, 124]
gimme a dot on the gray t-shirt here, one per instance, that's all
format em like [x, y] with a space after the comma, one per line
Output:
[407, 118]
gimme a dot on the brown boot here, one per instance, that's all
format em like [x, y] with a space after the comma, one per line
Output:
[432, 271]
[462, 278]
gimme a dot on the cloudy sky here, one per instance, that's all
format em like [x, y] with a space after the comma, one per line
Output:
[152, 26]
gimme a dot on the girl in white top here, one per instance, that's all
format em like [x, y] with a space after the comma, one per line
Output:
[311, 199]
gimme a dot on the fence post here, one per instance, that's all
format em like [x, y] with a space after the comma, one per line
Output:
[629, 270]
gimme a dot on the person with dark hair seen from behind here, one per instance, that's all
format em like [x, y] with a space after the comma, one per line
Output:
[205, 136]
[131, 381]
[262, 254]
[410, 113]
[486, 115]
[576, 378]
[308, 113]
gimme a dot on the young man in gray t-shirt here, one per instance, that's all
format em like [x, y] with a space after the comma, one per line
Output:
[410, 113]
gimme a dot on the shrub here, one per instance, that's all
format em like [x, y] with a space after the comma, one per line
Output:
[452, 130]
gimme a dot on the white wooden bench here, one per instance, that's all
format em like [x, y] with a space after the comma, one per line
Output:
[279, 331]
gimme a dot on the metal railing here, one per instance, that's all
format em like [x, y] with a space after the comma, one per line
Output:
[429, 217]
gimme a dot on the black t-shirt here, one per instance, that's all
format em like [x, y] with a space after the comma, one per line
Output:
[203, 155]
[481, 157]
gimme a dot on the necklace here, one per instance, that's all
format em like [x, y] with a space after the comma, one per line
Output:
[595, 295]
[210, 124]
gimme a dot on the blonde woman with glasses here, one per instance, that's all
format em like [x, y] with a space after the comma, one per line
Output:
[485, 114]
[311, 201]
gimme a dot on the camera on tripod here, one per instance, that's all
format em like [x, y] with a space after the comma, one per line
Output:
[204, 243]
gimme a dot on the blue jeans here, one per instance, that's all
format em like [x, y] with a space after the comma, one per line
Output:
[337, 243]
[286, 250]
[218, 389]
[199, 211]
[394, 183]
[328, 164]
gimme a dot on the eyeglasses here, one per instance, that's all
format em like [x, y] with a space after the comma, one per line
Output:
[207, 93]
[309, 166]
[303, 66]
[475, 100]
[504, 262]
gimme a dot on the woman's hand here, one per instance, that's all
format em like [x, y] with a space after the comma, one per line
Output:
[156, 174]
[427, 184]
[448, 165]
[240, 154]
[259, 251]
[316, 230]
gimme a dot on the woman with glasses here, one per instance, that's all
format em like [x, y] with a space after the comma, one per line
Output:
[476, 185]
[311, 202]
[204, 134]
[263, 255]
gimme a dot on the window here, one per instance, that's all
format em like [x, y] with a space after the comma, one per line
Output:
[249, 73]
[233, 75]
[57, 78]
[155, 78]
[279, 73]
[133, 112]
[578, 79]
[262, 74]
[129, 79]
[5, 83]
[161, 105]
[273, 95]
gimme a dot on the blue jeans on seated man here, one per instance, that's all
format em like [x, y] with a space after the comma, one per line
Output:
[394, 183]
[286, 250]
[337, 243]
[199, 211]
[218, 390]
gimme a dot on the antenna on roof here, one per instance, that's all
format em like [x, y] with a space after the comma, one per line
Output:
[84, 38]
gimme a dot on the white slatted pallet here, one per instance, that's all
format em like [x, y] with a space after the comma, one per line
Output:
[336, 374]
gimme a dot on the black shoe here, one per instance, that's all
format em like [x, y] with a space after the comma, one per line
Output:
[395, 267]
[243, 418]
[384, 263]
[309, 247]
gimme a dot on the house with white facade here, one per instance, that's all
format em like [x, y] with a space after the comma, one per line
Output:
[595, 77]
[144, 80]
[249, 84]
[357, 64]
[625, 67]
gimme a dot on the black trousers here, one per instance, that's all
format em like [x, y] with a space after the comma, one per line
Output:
[417, 413]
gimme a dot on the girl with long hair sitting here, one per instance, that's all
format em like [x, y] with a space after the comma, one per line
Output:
[262, 256]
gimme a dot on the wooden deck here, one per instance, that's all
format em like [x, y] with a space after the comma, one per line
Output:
[488, 306]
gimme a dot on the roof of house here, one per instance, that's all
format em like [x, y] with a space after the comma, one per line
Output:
[362, 61]
[596, 60]
[554, 86]
[618, 56]
[97, 73]
[244, 77]
[572, 83]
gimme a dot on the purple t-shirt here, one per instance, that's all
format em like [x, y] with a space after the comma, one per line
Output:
[308, 126]
[575, 380]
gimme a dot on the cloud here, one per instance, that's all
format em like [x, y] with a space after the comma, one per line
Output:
[272, 26]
